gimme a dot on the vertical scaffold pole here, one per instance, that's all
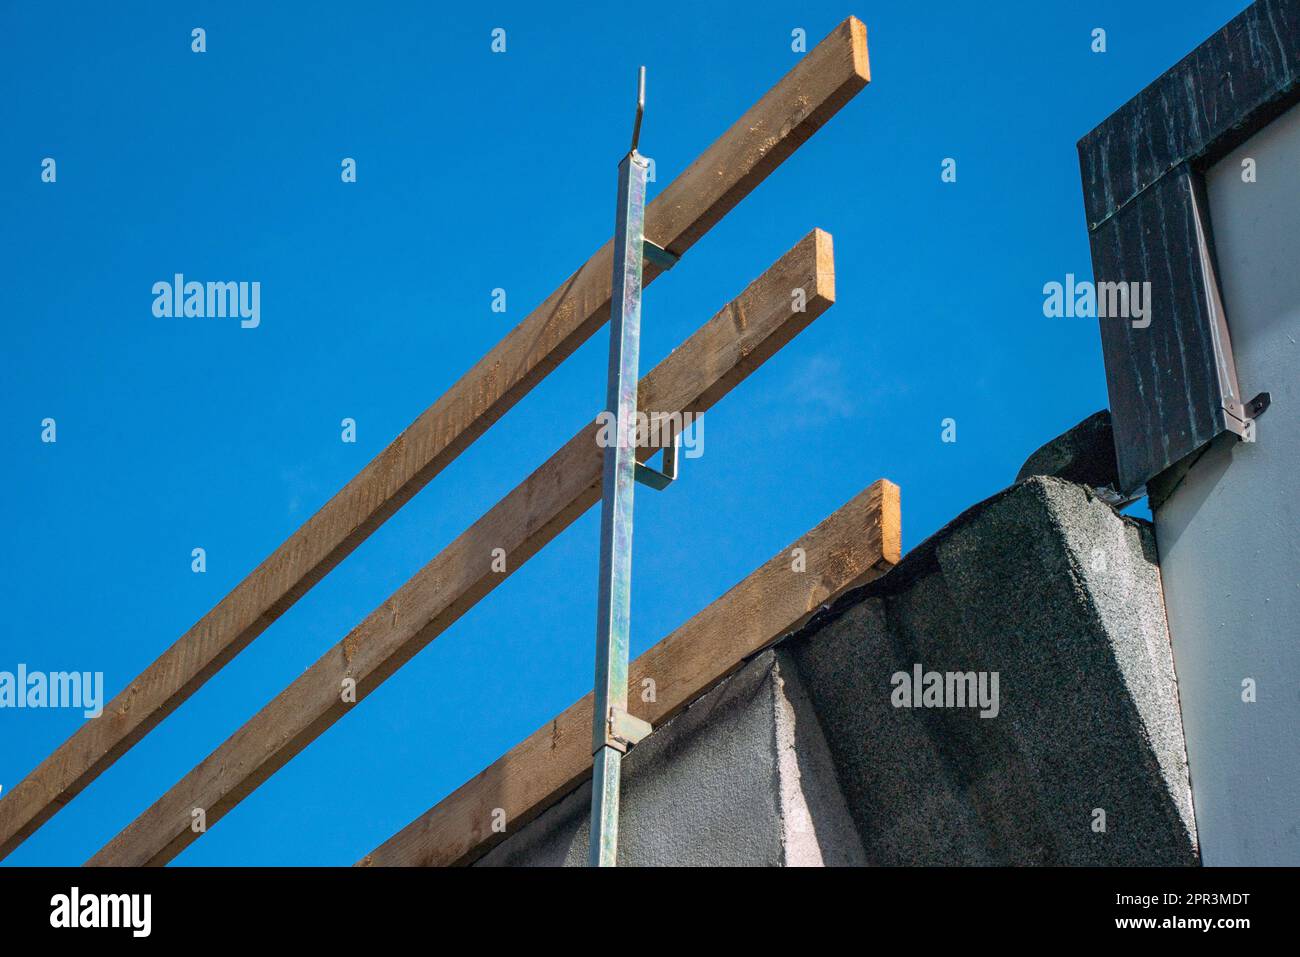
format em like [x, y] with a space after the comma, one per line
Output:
[613, 621]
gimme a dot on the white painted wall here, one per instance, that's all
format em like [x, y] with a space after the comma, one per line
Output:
[1228, 536]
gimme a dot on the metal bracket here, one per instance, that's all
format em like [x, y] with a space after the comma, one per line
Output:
[1117, 499]
[656, 479]
[1258, 405]
[656, 254]
[624, 730]
[1240, 418]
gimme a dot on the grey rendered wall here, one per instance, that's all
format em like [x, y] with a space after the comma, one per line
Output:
[1228, 534]
[1047, 586]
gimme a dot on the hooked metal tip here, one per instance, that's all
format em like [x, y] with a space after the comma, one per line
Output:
[640, 109]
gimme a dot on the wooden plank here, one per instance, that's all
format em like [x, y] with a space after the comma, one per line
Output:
[805, 98]
[692, 378]
[857, 543]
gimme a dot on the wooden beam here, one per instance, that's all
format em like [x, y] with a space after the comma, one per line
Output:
[856, 544]
[692, 378]
[805, 98]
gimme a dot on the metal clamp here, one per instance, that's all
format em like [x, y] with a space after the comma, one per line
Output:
[623, 730]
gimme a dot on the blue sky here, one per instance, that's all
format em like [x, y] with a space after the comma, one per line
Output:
[476, 171]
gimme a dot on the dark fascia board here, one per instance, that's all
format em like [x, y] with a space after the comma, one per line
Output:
[1172, 385]
[1212, 100]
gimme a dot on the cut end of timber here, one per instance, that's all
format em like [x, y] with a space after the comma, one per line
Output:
[858, 43]
[891, 523]
[824, 253]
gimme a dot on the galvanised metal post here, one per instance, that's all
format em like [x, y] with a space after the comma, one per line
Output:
[613, 611]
